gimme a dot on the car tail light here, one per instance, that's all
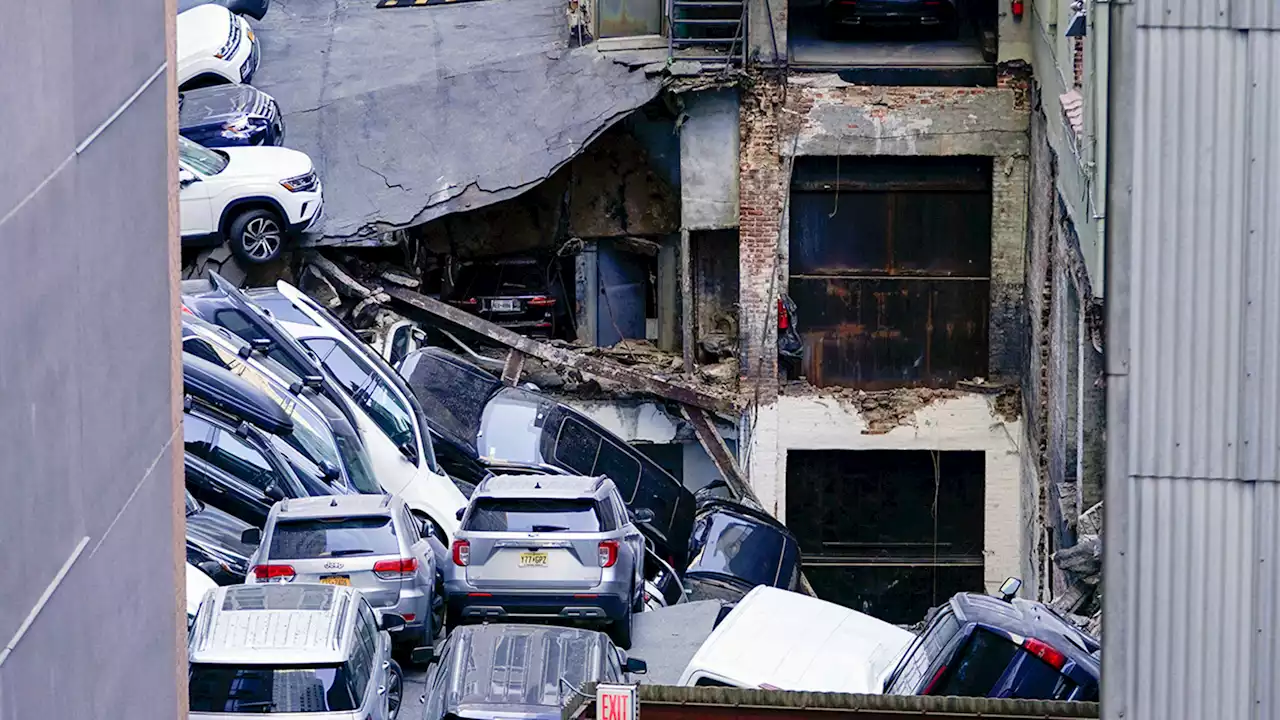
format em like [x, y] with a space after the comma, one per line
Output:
[541, 301]
[187, 310]
[1045, 652]
[468, 301]
[461, 553]
[395, 569]
[608, 553]
[934, 680]
[274, 573]
[409, 617]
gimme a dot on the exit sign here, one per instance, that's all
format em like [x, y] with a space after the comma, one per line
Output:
[616, 702]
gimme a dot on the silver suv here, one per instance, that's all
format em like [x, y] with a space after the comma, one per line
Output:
[369, 542]
[550, 547]
[299, 648]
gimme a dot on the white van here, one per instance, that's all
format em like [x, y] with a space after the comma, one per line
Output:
[197, 585]
[780, 640]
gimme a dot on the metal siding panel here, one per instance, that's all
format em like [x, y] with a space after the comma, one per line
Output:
[1184, 13]
[1255, 14]
[1187, 297]
[1266, 648]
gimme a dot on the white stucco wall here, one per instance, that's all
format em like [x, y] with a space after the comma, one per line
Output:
[963, 423]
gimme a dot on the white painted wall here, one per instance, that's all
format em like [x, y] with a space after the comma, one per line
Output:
[963, 423]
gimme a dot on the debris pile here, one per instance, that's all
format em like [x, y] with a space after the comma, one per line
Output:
[1081, 602]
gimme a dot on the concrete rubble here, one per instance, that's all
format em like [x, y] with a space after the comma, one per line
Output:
[1081, 601]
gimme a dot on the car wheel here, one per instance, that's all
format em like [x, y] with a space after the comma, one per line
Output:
[256, 236]
[395, 689]
[637, 602]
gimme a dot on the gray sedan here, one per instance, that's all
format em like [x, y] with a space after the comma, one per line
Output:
[547, 547]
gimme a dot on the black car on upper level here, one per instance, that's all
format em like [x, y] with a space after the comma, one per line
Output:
[521, 672]
[215, 542]
[229, 115]
[255, 9]
[483, 420]
[1002, 647]
[514, 292]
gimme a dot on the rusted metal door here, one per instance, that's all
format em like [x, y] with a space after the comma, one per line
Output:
[628, 18]
[890, 266]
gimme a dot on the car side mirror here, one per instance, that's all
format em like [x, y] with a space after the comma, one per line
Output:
[251, 536]
[263, 344]
[461, 511]
[330, 471]
[315, 382]
[642, 515]
[186, 177]
[391, 621]
[210, 568]
[1009, 590]
[274, 492]
[409, 451]
[635, 666]
[422, 655]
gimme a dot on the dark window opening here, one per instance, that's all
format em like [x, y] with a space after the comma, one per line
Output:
[890, 268]
[873, 538]
[896, 42]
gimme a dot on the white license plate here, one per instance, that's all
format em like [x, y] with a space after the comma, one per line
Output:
[504, 305]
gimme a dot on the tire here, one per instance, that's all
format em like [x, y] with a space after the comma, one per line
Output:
[256, 236]
[395, 690]
[620, 630]
[637, 602]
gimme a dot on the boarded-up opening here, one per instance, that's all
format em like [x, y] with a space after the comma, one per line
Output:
[886, 532]
[890, 266]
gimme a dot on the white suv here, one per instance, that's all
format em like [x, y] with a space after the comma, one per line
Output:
[215, 46]
[252, 197]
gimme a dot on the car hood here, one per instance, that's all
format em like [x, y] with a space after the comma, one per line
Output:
[220, 531]
[220, 104]
[197, 585]
[202, 31]
[267, 162]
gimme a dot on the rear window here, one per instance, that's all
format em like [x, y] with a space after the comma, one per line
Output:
[340, 537]
[263, 689]
[983, 661]
[526, 515]
[925, 652]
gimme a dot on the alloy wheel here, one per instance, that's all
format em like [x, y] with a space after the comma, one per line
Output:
[262, 238]
[395, 690]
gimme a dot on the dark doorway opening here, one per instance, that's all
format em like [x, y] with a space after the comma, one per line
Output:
[891, 533]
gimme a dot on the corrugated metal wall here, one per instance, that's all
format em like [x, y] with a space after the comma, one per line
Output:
[1193, 547]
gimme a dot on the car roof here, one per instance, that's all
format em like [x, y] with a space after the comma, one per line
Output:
[336, 506]
[813, 645]
[566, 487]
[274, 624]
[509, 665]
[1029, 618]
[231, 393]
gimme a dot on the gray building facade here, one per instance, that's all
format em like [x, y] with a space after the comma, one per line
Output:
[90, 516]
[1193, 362]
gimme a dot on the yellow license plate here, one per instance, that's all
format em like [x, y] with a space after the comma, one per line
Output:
[533, 559]
[336, 580]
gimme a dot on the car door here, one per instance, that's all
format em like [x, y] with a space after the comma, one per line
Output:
[237, 458]
[212, 485]
[420, 550]
[195, 204]
[633, 538]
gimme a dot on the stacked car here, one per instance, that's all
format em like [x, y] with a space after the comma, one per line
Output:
[236, 184]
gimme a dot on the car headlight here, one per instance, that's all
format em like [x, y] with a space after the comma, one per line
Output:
[301, 183]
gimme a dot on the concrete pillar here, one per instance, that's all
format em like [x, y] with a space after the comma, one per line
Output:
[670, 303]
[1009, 176]
[1092, 423]
[587, 290]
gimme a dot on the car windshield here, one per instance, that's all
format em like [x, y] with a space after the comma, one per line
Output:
[508, 430]
[200, 158]
[271, 689]
[302, 465]
[530, 515]
[366, 388]
[727, 544]
[356, 459]
[333, 537]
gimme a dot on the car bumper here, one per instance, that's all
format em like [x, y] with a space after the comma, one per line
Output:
[477, 606]
[413, 602]
[249, 65]
[311, 214]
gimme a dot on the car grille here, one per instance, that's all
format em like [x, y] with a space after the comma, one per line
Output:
[233, 38]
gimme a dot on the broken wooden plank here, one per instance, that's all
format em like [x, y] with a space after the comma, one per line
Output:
[686, 301]
[344, 283]
[715, 446]
[512, 368]
[563, 357]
